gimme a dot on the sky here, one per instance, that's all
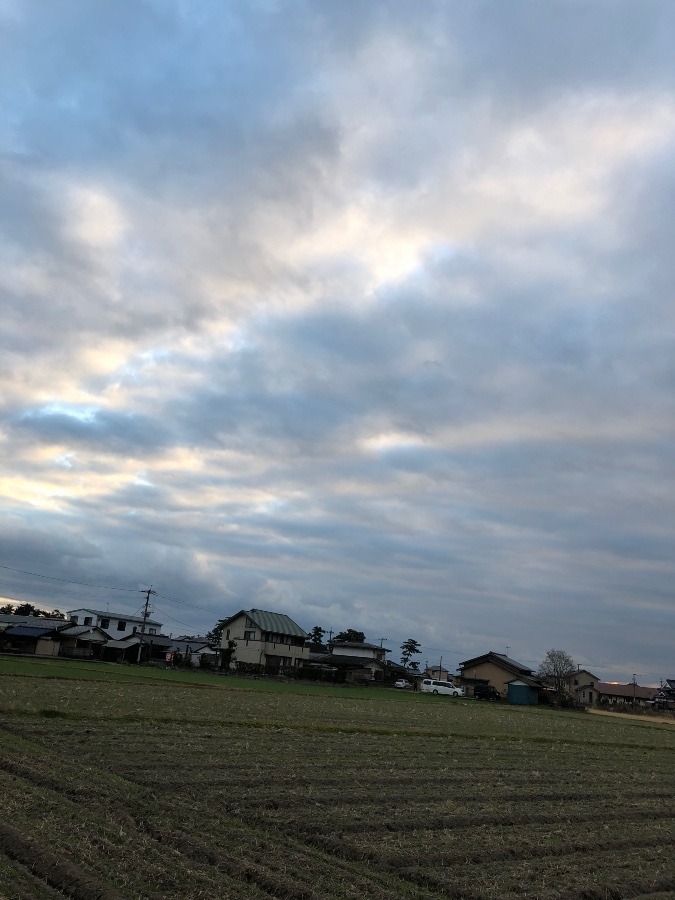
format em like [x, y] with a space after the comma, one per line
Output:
[360, 312]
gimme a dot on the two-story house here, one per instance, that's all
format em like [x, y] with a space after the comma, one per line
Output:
[581, 685]
[264, 638]
[358, 660]
[493, 668]
[117, 625]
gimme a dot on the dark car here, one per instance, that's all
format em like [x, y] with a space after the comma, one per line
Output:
[486, 692]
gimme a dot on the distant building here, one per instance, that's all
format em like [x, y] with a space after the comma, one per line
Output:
[359, 661]
[36, 635]
[438, 673]
[581, 686]
[493, 668]
[267, 639]
[118, 625]
[610, 694]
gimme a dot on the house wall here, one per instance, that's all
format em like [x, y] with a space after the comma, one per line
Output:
[587, 695]
[46, 647]
[582, 685]
[254, 648]
[438, 674]
[131, 625]
[491, 673]
[365, 652]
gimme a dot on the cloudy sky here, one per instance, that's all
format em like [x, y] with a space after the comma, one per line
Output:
[360, 311]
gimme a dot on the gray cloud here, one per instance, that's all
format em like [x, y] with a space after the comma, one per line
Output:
[360, 312]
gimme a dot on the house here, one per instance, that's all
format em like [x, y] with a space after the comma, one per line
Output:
[188, 651]
[581, 686]
[665, 698]
[356, 660]
[118, 625]
[35, 635]
[438, 673]
[123, 649]
[267, 639]
[82, 641]
[493, 668]
[631, 694]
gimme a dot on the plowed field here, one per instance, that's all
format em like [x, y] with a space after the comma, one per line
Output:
[169, 790]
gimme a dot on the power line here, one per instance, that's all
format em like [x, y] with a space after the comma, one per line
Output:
[173, 619]
[184, 603]
[106, 587]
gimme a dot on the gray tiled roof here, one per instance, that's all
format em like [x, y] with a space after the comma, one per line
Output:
[276, 623]
[28, 631]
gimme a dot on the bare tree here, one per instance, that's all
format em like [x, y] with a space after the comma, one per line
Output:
[557, 668]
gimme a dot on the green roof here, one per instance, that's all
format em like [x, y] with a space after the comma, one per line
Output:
[276, 623]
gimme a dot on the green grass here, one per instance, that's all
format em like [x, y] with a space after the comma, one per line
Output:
[125, 782]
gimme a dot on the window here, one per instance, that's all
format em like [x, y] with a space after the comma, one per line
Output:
[88, 620]
[227, 635]
[249, 635]
[135, 629]
[121, 625]
[74, 619]
[152, 630]
[105, 623]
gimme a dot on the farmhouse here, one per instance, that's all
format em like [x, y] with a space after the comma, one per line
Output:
[493, 668]
[264, 638]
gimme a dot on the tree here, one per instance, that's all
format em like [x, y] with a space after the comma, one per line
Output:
[557, 668]
[354, 637]
[228, 654]
[316, 636]
[215, 636]
[27, 609]
[409, 649]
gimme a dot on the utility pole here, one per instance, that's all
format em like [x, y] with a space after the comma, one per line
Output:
[147, 593]
[382, 640]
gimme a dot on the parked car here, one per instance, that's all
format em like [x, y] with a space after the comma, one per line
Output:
[431, 686]
[486, 692]
[402, 684]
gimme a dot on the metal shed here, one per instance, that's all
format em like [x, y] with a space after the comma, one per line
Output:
[522, 692]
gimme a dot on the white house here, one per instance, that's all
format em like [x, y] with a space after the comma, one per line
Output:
[117, 625]
[265, 638]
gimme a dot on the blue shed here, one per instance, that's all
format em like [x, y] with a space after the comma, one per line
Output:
[523, 692]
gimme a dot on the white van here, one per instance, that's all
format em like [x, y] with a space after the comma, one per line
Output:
[442, 687]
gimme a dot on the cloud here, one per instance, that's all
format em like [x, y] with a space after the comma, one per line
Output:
[361, 312]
